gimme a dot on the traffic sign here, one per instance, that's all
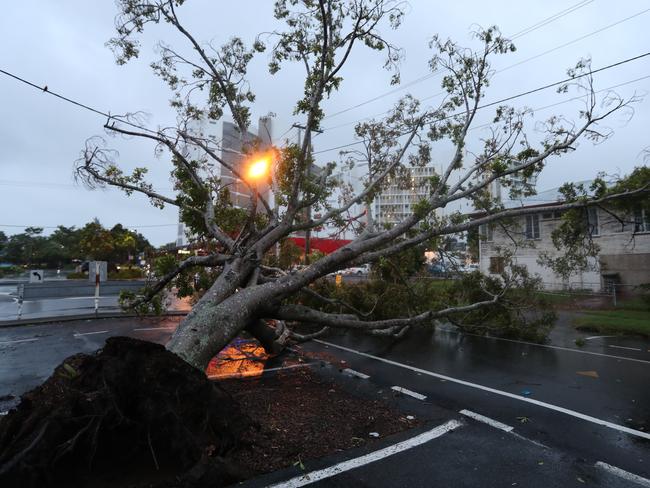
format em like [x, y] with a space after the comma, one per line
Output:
[36, 276]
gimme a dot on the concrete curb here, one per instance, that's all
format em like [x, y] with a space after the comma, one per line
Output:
[87, 316]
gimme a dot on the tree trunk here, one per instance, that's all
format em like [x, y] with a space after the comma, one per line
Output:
[214, 321]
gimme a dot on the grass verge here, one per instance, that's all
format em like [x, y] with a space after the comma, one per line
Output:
[615, 321]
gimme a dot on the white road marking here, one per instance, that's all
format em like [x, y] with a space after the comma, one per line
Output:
[257, 372]
[4, 413]
[486, 420]
[356, 373]
[90, 333]
[560, 348]
[514, 396]
[628, 348]
[156, 328]
[538, 444]
[339, 468]
[408, 392]
[623, 474]
[598, 337]
[19, 340]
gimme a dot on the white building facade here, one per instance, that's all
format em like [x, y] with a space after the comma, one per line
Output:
[623, 257]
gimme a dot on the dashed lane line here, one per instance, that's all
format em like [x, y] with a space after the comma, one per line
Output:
[626, 475]
[79, 334]
[17, 341]
[356, 373]
[550, 406]
[487, 420]
[341, 467]
[559, 348]
[627, 348]
[598, 337]
[410, 393]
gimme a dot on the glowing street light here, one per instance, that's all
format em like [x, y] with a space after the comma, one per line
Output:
[258, 169]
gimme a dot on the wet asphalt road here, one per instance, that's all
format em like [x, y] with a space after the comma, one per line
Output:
[546, 447]
[616, 388]
[29, 354]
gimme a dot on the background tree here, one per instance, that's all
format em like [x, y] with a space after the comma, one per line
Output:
[211, 82]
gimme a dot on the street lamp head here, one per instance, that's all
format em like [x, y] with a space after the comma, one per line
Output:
[259, 168]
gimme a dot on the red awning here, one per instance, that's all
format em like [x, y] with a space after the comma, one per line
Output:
[326, 246]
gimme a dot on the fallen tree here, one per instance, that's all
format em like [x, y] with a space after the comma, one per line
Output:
[245, 294]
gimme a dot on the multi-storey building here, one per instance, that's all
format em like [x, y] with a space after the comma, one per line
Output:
[234, 148]
[397, 200]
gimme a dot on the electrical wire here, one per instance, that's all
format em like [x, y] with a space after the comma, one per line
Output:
[521, 33]
[518, 63]
[512, 97]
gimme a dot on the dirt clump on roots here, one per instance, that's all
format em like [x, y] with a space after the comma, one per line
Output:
[132, 414]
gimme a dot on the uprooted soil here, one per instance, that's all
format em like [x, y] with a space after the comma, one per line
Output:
[136, 415]
[304, 416]
[131, 409]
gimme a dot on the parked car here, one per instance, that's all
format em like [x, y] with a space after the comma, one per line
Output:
[468, 268]
[438, 269]
[356, 270]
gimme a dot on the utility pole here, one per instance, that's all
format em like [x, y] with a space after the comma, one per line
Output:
[308, 231]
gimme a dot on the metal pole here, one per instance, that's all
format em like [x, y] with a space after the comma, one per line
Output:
[96, 287]
[614, 293]
[21, 294]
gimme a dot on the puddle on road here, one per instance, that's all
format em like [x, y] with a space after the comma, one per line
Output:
[245, 358]
[242, 358]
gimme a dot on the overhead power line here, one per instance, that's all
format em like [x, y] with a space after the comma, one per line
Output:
[521, 33]
[47, 91]
[518, 95]
[518, 63]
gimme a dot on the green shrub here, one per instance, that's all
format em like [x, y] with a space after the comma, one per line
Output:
[77, 276]
[126, 274]
[10, 271]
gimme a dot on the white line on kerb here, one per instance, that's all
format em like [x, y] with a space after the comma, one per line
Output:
[156, 328]
[486, 420]
[356, 373]
[628, 348]
[408, 392]
[314, 476]
[597, 337]
[90, 333]
[623, 474]
[19, 340]
[550, 406]
[256, 373]
[560, 348]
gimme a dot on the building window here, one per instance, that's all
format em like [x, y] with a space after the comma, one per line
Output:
[592, 221]
[487, 232]
[532, 226]
[497, 264]
[641, 220]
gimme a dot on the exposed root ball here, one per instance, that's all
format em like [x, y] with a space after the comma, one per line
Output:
[130, 412]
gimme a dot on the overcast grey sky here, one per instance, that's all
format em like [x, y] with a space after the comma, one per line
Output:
[61, 44]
